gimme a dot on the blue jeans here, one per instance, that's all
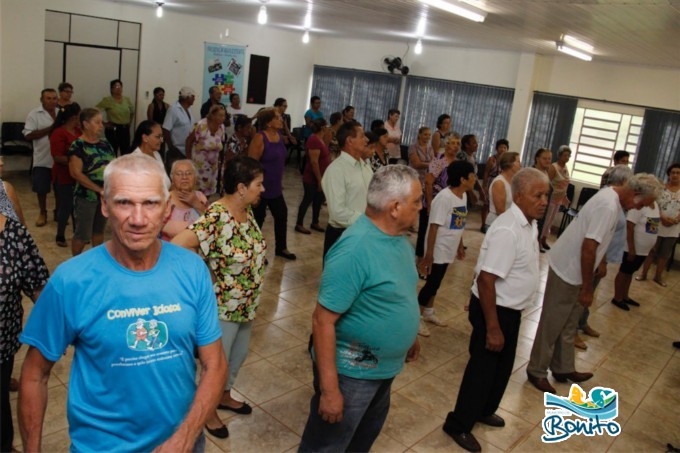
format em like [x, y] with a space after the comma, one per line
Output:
[366, 403]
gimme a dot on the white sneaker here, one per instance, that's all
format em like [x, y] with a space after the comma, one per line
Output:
[422, 329]
[434, 320]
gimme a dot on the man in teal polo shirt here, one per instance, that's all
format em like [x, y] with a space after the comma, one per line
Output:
[366, 320]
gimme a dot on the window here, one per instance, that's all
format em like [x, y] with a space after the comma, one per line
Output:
[475, 109]
[598, 131]
[371, 94]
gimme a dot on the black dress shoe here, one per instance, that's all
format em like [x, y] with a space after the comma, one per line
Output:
[543, 384]
[245, 409]
[466, 441]
[621, 305]
[574, 376]
[492, 420]
[631, 302]
[221, 433]
[286, 254]
[317, 227]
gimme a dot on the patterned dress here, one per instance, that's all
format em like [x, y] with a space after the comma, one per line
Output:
[206, 155]
[21, 269]
[235, 254]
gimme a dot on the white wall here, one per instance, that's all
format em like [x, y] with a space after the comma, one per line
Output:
[171, 54]
[640, 85]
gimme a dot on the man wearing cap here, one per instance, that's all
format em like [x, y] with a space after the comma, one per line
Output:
[178, 125]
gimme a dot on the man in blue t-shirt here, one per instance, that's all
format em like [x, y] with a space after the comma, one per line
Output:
[135, 309]
[366, 320]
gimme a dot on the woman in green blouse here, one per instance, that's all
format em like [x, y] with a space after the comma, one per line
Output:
[119, 111]
[232, 245]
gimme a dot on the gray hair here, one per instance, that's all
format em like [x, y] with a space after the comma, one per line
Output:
[526, 177]
[389, 183]
[135, 164]
[619, 175]
[452, 135]
[562, 149]
[184, 161]
[645, 185]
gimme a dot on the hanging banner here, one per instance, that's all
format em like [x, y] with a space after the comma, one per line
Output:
[223, 67]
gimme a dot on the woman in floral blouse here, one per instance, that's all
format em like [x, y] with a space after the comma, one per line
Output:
[22, 269]
[230, 241]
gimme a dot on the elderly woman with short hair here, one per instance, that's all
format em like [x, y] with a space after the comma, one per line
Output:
[186, 203]
[500, 190]
[204, 145]
[230, 240]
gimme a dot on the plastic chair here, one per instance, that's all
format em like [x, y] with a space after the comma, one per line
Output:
[13, 141]
[571, 213]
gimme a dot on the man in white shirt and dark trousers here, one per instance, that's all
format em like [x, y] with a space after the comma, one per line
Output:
[37, 128]
[506, 280]
[575, 259]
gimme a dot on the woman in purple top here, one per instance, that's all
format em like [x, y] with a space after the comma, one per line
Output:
[268, 147]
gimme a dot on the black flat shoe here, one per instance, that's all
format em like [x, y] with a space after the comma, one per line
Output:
[221, 433]
[492, 420]
[621, 305]
[631, 302]
[286, 254]
[245, 409]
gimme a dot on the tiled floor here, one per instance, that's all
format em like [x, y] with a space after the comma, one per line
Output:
[634, 356]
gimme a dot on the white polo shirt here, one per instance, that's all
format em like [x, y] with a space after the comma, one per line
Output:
[37, 119]
[510, 251]
[596, 220]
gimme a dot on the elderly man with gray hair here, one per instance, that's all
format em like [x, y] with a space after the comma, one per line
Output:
[575, 259]
[366, 320]
[136, 309]
[616, 176]
[178, 124]
[506, 281]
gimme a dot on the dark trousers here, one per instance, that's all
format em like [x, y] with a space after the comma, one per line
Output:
[279, 211]
[366, 404]
[487, 373]
[64, 193]
[6, 425]
[422, 231]
[434, 280]
[315, 198]
[331, 237]
[119, 137]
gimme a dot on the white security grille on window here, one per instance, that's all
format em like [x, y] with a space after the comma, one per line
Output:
[596, 134]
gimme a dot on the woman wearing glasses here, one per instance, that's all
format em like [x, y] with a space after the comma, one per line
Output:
[186, 203]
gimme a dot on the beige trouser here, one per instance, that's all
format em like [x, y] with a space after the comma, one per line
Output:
[554, 342]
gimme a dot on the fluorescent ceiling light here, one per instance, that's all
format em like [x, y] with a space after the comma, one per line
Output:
[262, 15]
[308, 20]
[577, 43]
[573, 52]
[419, 47]
[420, 31]
[457, 8]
